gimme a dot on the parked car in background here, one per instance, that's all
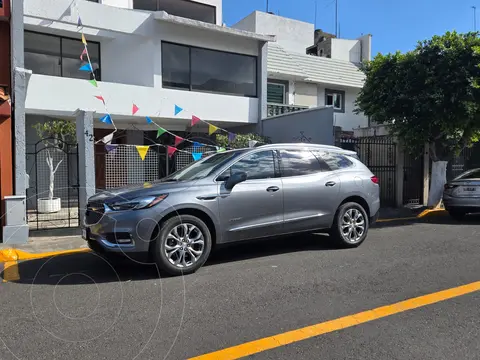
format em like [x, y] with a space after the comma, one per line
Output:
[462, 194]
[237, 195]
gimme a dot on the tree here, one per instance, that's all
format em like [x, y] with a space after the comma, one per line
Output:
[241, 140]
[54, 134]
[430, 95]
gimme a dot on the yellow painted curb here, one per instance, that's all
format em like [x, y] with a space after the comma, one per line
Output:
[430, 212]
[7, 255]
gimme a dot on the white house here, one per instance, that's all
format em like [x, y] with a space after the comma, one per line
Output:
[308, 68]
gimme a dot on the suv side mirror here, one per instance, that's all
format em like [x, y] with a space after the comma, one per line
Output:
[235, 179]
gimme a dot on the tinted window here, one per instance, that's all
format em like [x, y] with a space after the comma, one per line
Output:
[260, 165]
[334, 161]
[183, 8]
[471, 174]
[300, 162]
[175, 66]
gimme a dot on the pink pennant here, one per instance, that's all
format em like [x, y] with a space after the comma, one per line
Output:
[84, 52]
[178, 140]
[195, 120]
[171, 150]
[134, 109]
[101, 99]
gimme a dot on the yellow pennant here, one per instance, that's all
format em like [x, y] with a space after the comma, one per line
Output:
[211, 129]
[142, 150]
[84, 41]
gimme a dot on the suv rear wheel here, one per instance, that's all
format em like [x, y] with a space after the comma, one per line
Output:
[183, 245]
[350, 226]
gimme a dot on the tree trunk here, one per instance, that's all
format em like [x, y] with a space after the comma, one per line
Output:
[437, 182]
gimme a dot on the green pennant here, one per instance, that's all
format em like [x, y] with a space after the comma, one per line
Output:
[93, 82]
[220, 149]
[160, 132]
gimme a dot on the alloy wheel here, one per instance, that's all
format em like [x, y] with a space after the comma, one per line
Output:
[184, 245]
[353, 225]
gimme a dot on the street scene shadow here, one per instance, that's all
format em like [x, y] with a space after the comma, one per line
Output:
[471, 219]
[88, 268]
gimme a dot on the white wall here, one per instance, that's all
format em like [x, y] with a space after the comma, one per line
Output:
[348, 50]
[305, 94]
[366, 41]
[127, 4]
[291, 34]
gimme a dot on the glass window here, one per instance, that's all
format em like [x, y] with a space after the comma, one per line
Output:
[176, 66]
[334, 161]
[260, 165]
[187, 9]
[300, 162]
[71, 60]
[275, 93]
[198, 69]
[335, 99]
[470, 174]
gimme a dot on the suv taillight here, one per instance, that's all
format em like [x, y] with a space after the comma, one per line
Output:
[449, 186]
[374, 179]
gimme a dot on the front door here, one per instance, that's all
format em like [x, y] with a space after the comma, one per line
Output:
[253, 208]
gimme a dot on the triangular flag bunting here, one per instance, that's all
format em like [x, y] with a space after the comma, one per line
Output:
[79, 23]
[178, 109]
[84, 52]
[142, 150]
[195, 120]
[101, 99]
[220, 149]
[107, 139]
[106, 119]
[160, 132]
[196, 156]
[231, 136]
[110, 147]
[252, 143]
[149, 121]
[171, 150]
[134, 109]
[178, 140]
[196, 144]
[84, 41]
[93, 82]
[86, 67]
[211, 129]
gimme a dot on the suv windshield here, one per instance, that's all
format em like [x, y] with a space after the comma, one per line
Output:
[204, 167]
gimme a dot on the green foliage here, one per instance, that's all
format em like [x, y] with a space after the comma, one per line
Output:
[240, 141]
[428, 95]
[54, 130]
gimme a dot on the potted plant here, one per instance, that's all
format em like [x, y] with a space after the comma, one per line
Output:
[54, 134]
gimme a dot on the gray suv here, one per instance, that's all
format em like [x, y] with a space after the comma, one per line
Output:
[237, 195]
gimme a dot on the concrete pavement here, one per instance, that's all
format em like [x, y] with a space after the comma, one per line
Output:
[82, 307]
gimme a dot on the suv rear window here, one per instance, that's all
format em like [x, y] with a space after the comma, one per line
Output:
[335, 161]
[300, 162]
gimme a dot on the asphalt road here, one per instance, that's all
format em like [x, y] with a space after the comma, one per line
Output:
[82, 307]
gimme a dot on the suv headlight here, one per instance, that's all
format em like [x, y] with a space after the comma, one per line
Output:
[143, 202]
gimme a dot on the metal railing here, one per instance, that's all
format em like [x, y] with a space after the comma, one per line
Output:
[279, 109]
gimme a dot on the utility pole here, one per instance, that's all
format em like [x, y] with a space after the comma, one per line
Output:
[474, 18]
[336, 18]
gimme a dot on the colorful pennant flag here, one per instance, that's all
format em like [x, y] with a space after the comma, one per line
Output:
[107, 139]
[142, 150]
[134, 109]
[231, 136]
[219, 149]
[79, 23]
[252, 143]
[195, 120]
[196, 156]
[84, 52]
[110, 147]
[196, 144]
[171, 150]
[178, 110]
[106, 119]
[86, 67]
[178, 140]
[101, 99]
[93, 82]
[211, 129]
[160, 132]
[84, 41]
[149, 121]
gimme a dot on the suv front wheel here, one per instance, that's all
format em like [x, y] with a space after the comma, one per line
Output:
[183, 245]
[350, 226]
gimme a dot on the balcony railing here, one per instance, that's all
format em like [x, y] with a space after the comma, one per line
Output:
[279, 109]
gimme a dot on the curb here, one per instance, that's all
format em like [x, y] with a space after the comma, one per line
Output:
[424, 214]
[7, 255]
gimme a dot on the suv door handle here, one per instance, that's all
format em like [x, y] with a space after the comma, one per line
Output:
[273, 188]
[330, 183]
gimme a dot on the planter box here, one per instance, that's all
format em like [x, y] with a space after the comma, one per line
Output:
[46, 205]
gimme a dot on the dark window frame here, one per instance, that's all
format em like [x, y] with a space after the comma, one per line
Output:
[184, 1]
[339, 92]
[285, 89]
[190, 47]
[98, 74]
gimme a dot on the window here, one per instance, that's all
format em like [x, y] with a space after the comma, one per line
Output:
[198, 69]
[259, 165]
[336, 99]
[300, 162]
[182, 8]
[470, 174]
[334, 161]
[320, 53]
[59, 56]
[276, 93]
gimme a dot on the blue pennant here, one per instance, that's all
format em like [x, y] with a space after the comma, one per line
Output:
[149, 121]
[178, 109]
[86, 67]
[196, 156]
[106, 119]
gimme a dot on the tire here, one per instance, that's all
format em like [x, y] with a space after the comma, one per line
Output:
[457, 214]
[174, 228]
[343, 213]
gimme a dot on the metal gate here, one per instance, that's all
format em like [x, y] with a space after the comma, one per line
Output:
[412, 179]
[53, 188]
[378, 153]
